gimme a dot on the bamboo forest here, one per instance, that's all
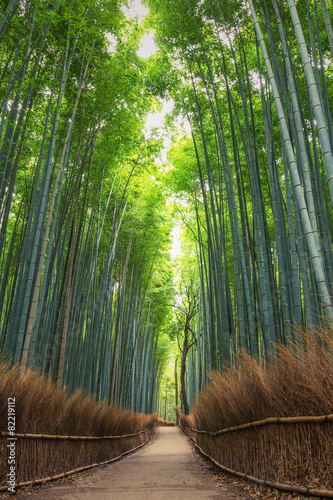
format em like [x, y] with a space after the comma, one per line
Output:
[166, 190]
[166, 227]
[89, 292]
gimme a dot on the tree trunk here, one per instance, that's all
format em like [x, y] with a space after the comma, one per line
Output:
[183, 370]
[176, 389]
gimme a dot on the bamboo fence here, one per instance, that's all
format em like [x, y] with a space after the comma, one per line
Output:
[45, 457]
[165, 423]
[290, 454]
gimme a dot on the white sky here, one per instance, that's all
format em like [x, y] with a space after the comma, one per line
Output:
[136, 9]
[148, 46]
[175, 249]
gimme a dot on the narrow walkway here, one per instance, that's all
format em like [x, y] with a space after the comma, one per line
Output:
[166, 469]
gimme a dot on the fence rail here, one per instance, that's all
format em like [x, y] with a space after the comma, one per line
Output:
[26, 435]
[266, 421]
[292, 454]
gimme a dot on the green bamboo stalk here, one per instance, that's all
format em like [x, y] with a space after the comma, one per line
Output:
[297, 187]
[314, 97]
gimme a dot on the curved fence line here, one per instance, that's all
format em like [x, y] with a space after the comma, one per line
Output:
[69, 437]
[287, 456]
[267, 421]
[279, 486]
[70, 454]
[80, 469]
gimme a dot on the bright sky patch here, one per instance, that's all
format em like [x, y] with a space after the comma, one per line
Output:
[148, 46]
[136, 9]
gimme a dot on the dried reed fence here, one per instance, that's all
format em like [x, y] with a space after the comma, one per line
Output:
[277, 448]
[58, 435]
[41, 457]
[165, 423]
[282, 453]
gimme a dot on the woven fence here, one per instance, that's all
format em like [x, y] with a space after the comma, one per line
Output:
[165, 423]
[291, 454]
[43, 457]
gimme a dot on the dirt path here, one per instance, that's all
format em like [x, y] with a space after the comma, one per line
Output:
[166, 469]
